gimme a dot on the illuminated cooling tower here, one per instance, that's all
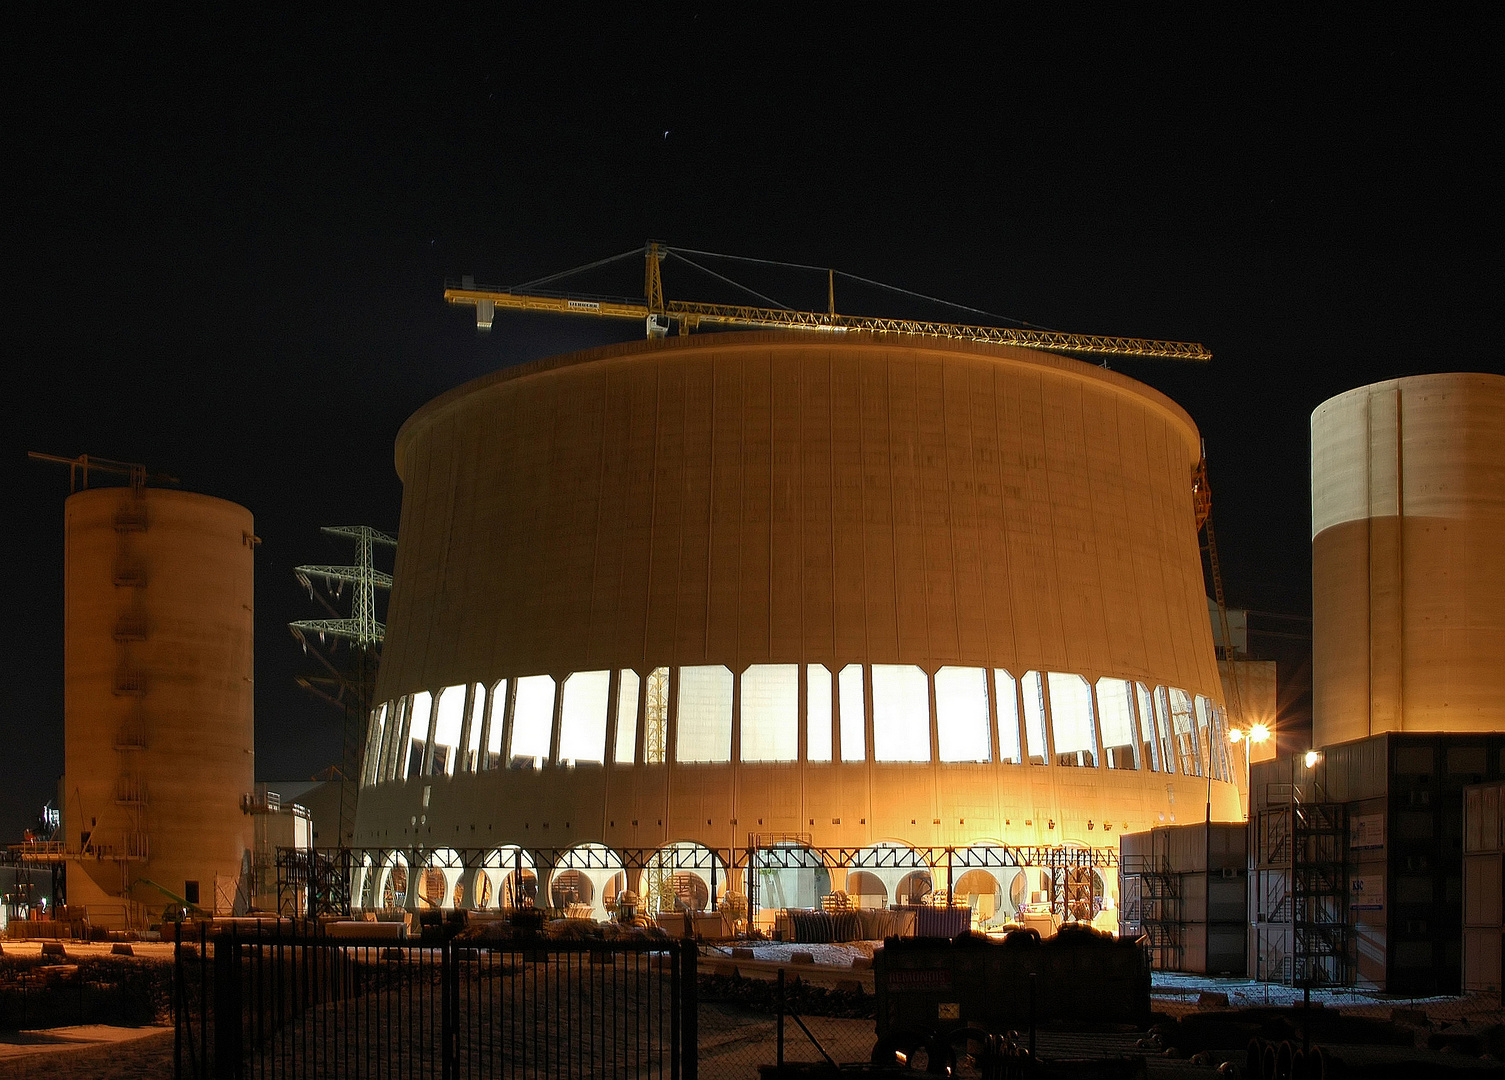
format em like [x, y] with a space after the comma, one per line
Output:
[857, 590]
[157, 700]
[1408, 558]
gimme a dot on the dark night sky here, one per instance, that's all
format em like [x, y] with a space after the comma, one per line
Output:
[226, 241]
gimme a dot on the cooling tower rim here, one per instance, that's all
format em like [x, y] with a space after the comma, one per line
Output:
[752, 341]
[158, 495]
[1431, 381]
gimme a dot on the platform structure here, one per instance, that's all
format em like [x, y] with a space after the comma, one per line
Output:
[1301, 887]
[1151, 905]
[334, 880]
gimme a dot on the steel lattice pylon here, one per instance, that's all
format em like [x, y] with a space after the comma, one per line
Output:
[348, 686]
[362, 627]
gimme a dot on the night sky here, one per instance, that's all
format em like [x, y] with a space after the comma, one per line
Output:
[226, 241]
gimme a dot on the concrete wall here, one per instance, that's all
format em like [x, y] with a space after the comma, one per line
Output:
[157, 693]
[1408, 572]
[781, 499]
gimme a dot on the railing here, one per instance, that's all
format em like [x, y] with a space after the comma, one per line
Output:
[295, 1003]
[718, 865]
[38, 851]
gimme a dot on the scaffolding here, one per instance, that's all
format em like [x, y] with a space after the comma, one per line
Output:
[318, 880]
[1150, 900]
[313, 882]
[1301, 893]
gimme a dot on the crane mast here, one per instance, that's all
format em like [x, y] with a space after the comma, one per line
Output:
[658, 313]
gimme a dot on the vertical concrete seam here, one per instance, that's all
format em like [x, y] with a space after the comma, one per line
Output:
[710, 517]
[1400, 563]
[652, 512]
[600, 497]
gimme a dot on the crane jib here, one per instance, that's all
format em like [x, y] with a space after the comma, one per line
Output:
[694, 315]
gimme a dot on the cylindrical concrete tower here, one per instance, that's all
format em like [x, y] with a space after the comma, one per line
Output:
[1408, 558]
[157, 698]
[856, 589]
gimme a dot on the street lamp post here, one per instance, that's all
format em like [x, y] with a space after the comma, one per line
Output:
[1257, 733]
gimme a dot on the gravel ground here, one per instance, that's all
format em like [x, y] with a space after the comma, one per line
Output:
[144, 1053]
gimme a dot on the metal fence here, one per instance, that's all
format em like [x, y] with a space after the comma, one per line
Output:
[301, 1004]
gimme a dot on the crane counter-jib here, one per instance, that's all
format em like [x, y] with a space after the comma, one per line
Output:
[692, 315]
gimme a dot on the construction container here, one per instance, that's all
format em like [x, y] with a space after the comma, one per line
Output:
[1483, 885]
[1383, 835]
[1185, 892]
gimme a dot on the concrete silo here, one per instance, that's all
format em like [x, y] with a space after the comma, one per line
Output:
[1408, 558]
[157, 700]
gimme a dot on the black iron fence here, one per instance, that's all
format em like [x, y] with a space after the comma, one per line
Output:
[295, 1003]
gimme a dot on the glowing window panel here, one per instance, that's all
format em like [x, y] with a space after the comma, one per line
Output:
[1115, 711]
[447, 720]
[771, 713]
[818, 713]
[391, 749]
[1163, 726]
[853, 714]
[901, 713]
[1183, 724]
[704, 728]
[1221, 741]
[627, 717]
[373, 743]
[1214, 737]
[477, 720]
[961, 714]
[418, 734]
[496, 720]
[582, 720]
[1071, 719]
[1230, 757]
[532, 720]
[1006, 691]
[1207, 755]
[656, 717]
[1149, 749]
[1032, 686]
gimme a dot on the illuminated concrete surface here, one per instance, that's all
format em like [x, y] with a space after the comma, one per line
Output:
[157, 698]
[1408, 563]
[858, 589]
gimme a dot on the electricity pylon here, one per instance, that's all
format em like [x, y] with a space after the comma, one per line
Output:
[349, 685]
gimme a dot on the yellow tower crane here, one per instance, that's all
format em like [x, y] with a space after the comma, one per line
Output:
[659, 313]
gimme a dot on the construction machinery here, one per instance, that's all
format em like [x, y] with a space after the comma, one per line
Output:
[659, 313]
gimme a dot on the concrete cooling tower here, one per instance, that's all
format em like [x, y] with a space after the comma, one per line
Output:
[843, 590]
[1408, 558]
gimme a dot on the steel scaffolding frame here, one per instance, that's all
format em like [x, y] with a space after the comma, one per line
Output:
[1150, 896]
[1301, 888]
[325, 873]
